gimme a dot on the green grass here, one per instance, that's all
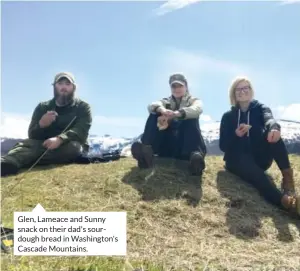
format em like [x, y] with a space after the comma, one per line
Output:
[172, 223]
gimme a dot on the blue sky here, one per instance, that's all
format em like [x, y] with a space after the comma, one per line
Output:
[122, 54]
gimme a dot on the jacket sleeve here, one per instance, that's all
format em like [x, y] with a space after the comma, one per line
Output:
[34, 130]
[79, 131]
[153, 107]
[227, 134]
[193, 111]
[268, 119]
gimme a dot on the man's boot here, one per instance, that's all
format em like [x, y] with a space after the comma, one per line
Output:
[143, 154]
[197, 164]
[8, 168]
[292, 204]
[288, 184]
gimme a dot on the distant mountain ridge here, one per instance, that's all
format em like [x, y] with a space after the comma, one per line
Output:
[290, 131]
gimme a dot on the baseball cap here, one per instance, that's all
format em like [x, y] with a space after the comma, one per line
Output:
[66, 75]
[177, 78]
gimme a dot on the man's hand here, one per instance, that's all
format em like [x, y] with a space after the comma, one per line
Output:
[47, 119]
[242, 130]
[52, 143]
[274, 136]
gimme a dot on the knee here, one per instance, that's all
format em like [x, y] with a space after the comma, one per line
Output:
[28, 143]
[152, 118]
[190, 124]
[277, 147]
[72, 148]
[17, 146]
[279, 143]
[266, 165]
[75, 146]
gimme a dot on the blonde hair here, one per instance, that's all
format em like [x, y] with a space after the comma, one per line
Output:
[233, 86]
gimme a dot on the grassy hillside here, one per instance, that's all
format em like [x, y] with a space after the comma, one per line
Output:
[229, 228]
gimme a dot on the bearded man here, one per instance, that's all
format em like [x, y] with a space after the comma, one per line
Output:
[58, 130]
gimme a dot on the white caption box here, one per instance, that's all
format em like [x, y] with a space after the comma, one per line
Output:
[70, 233]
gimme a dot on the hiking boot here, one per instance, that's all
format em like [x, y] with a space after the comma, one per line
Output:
[143, 154]
[197, 164]
[288, 185]
[8, 168]
[292, 204]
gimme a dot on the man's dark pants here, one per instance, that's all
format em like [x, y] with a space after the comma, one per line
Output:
[27, 152]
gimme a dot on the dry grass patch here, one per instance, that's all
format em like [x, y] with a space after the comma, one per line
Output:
[229, 227]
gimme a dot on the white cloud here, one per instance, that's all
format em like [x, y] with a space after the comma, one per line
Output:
[172, 5]
[288, 2]
[14, 125]
[289, 112]
[205, 118]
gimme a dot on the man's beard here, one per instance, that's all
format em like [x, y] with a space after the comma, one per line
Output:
[63, 99]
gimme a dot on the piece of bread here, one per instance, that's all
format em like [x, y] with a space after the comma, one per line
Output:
[162, 123]
[242, 125]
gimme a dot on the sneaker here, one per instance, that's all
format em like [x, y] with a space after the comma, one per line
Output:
[8, 168]
[143, 154]
[197, 164]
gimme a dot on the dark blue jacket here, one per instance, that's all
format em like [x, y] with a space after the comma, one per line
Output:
[261, 119]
